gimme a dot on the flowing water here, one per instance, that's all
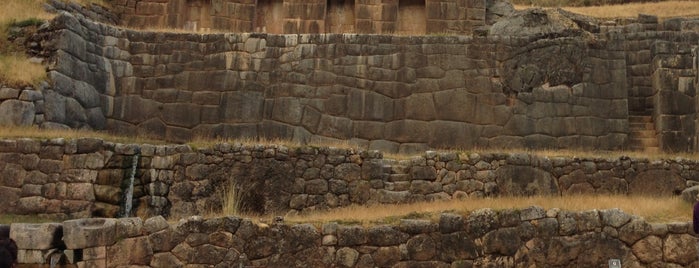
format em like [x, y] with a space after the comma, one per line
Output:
[128, 200]
[55, 258]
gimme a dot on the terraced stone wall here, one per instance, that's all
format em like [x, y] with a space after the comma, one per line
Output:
[394, 93]
[485, 238]
[306, 16]
[88, 177]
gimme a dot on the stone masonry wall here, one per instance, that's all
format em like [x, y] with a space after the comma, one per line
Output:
[661, 76]
[391, 93]
[88, 177]
[301, 16]
[529, 237]
[675, 108]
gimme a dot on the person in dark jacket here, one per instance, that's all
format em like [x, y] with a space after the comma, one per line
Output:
[8, 253]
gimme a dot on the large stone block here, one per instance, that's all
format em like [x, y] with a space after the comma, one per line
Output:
[674, 103]
[8, 93]
[675, 241]
[421, 247]
[12, 175]
[408, 131]
[287, 110]
[36, 236]
[365, 105]
[523, 180]
[133, 109]
[130, 251]
[659, 182]
[87, 233]
[448, 134]
[242, 106]
[17, 113]
[335, 127]
[181, 114]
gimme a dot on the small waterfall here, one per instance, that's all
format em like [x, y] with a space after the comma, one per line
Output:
[128, 194]
[54, 259]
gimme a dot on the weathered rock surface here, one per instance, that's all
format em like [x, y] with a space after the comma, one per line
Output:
[502, 238]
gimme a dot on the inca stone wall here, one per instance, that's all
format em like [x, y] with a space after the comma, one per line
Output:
[88, 177]
[675, 106]
[21, 107]
[509, 238]
[391, 93]
[398, 94]
[306, 16]
[661, 76]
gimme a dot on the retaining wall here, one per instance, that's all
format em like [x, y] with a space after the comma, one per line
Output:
[307, 16]
[397, 94]
[88, 177]
[390, 93]
[484, 238]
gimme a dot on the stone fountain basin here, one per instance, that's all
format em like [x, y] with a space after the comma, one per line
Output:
[87, 233]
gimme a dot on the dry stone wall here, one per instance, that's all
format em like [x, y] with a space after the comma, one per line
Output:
[89, 177]
[485, 238]
[394, 93]
[661, 76]
[391, 93]
[306, 16]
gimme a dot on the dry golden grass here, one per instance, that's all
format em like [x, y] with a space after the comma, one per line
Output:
[18, 71]
[666, 9]
[654, 209]
[19, 10]
[205, 142]
[37, 133]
